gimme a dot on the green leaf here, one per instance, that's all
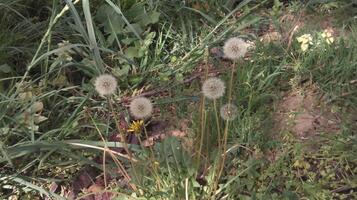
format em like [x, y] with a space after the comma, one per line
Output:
[203, 15]
[129, 25]
[134, 28]
[135, 80]
[128, 41]
[132, 52]
[135, 13]
[179, 77]
[148, 40]
[5, 68]
[290, 195]
[124, 71]
[150, 18]
[110, 20]
[154, 17]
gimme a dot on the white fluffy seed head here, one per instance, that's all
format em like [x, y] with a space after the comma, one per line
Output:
[213, 88]
[105, 84]
[235, 48]
[141, 108]
[229, 112]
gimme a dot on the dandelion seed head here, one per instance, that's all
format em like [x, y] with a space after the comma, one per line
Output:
[213, 88]
[229, 112]
[141, 108]
[235, 48]
[105, 84]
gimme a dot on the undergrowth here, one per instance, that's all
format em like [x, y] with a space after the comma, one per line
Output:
[57, 127]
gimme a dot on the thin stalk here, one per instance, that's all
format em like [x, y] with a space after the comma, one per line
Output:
[202, 112]
[44, 38]
[208, 150]
[153, 160]
[5, 154]
[224, 148]
[125, 174]
[104, 168]
[152, 156]
[122, 136]
[202, 130]
[47, 60]
[106, 149]
[217, 121]
[227, 121]
[142, 147]
[224, 145]
[48, 49]
[186, 189]
[231, 83]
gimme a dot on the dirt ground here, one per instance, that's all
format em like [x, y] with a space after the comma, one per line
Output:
[303, 113]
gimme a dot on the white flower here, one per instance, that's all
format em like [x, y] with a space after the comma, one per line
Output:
[141, 107]
[105, 84]
[235, 48]
[229, 112]
[213, 88]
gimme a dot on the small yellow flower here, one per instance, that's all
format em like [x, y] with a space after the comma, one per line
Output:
[136, 126]
[327, 35]
[305, 41]
[304, 46]
[306, 38]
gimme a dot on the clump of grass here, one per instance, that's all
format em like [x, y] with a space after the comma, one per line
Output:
[62, 124]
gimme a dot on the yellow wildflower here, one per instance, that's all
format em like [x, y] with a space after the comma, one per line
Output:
[305, 41]
[327, 35]
[304, 46]
[136, 126]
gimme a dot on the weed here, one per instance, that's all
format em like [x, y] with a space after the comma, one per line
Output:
[152, 100]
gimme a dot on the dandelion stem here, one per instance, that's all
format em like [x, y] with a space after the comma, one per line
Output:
[218, 126]
[153, 160]
[113, 154]
[104, 167]
[225, 135]
[227, 121]
[151, 150]
[202, 129]
[122, 136]
[231, 83]
[202, 112]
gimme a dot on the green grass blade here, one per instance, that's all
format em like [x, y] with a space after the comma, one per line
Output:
[35, 187]
[92, 40]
